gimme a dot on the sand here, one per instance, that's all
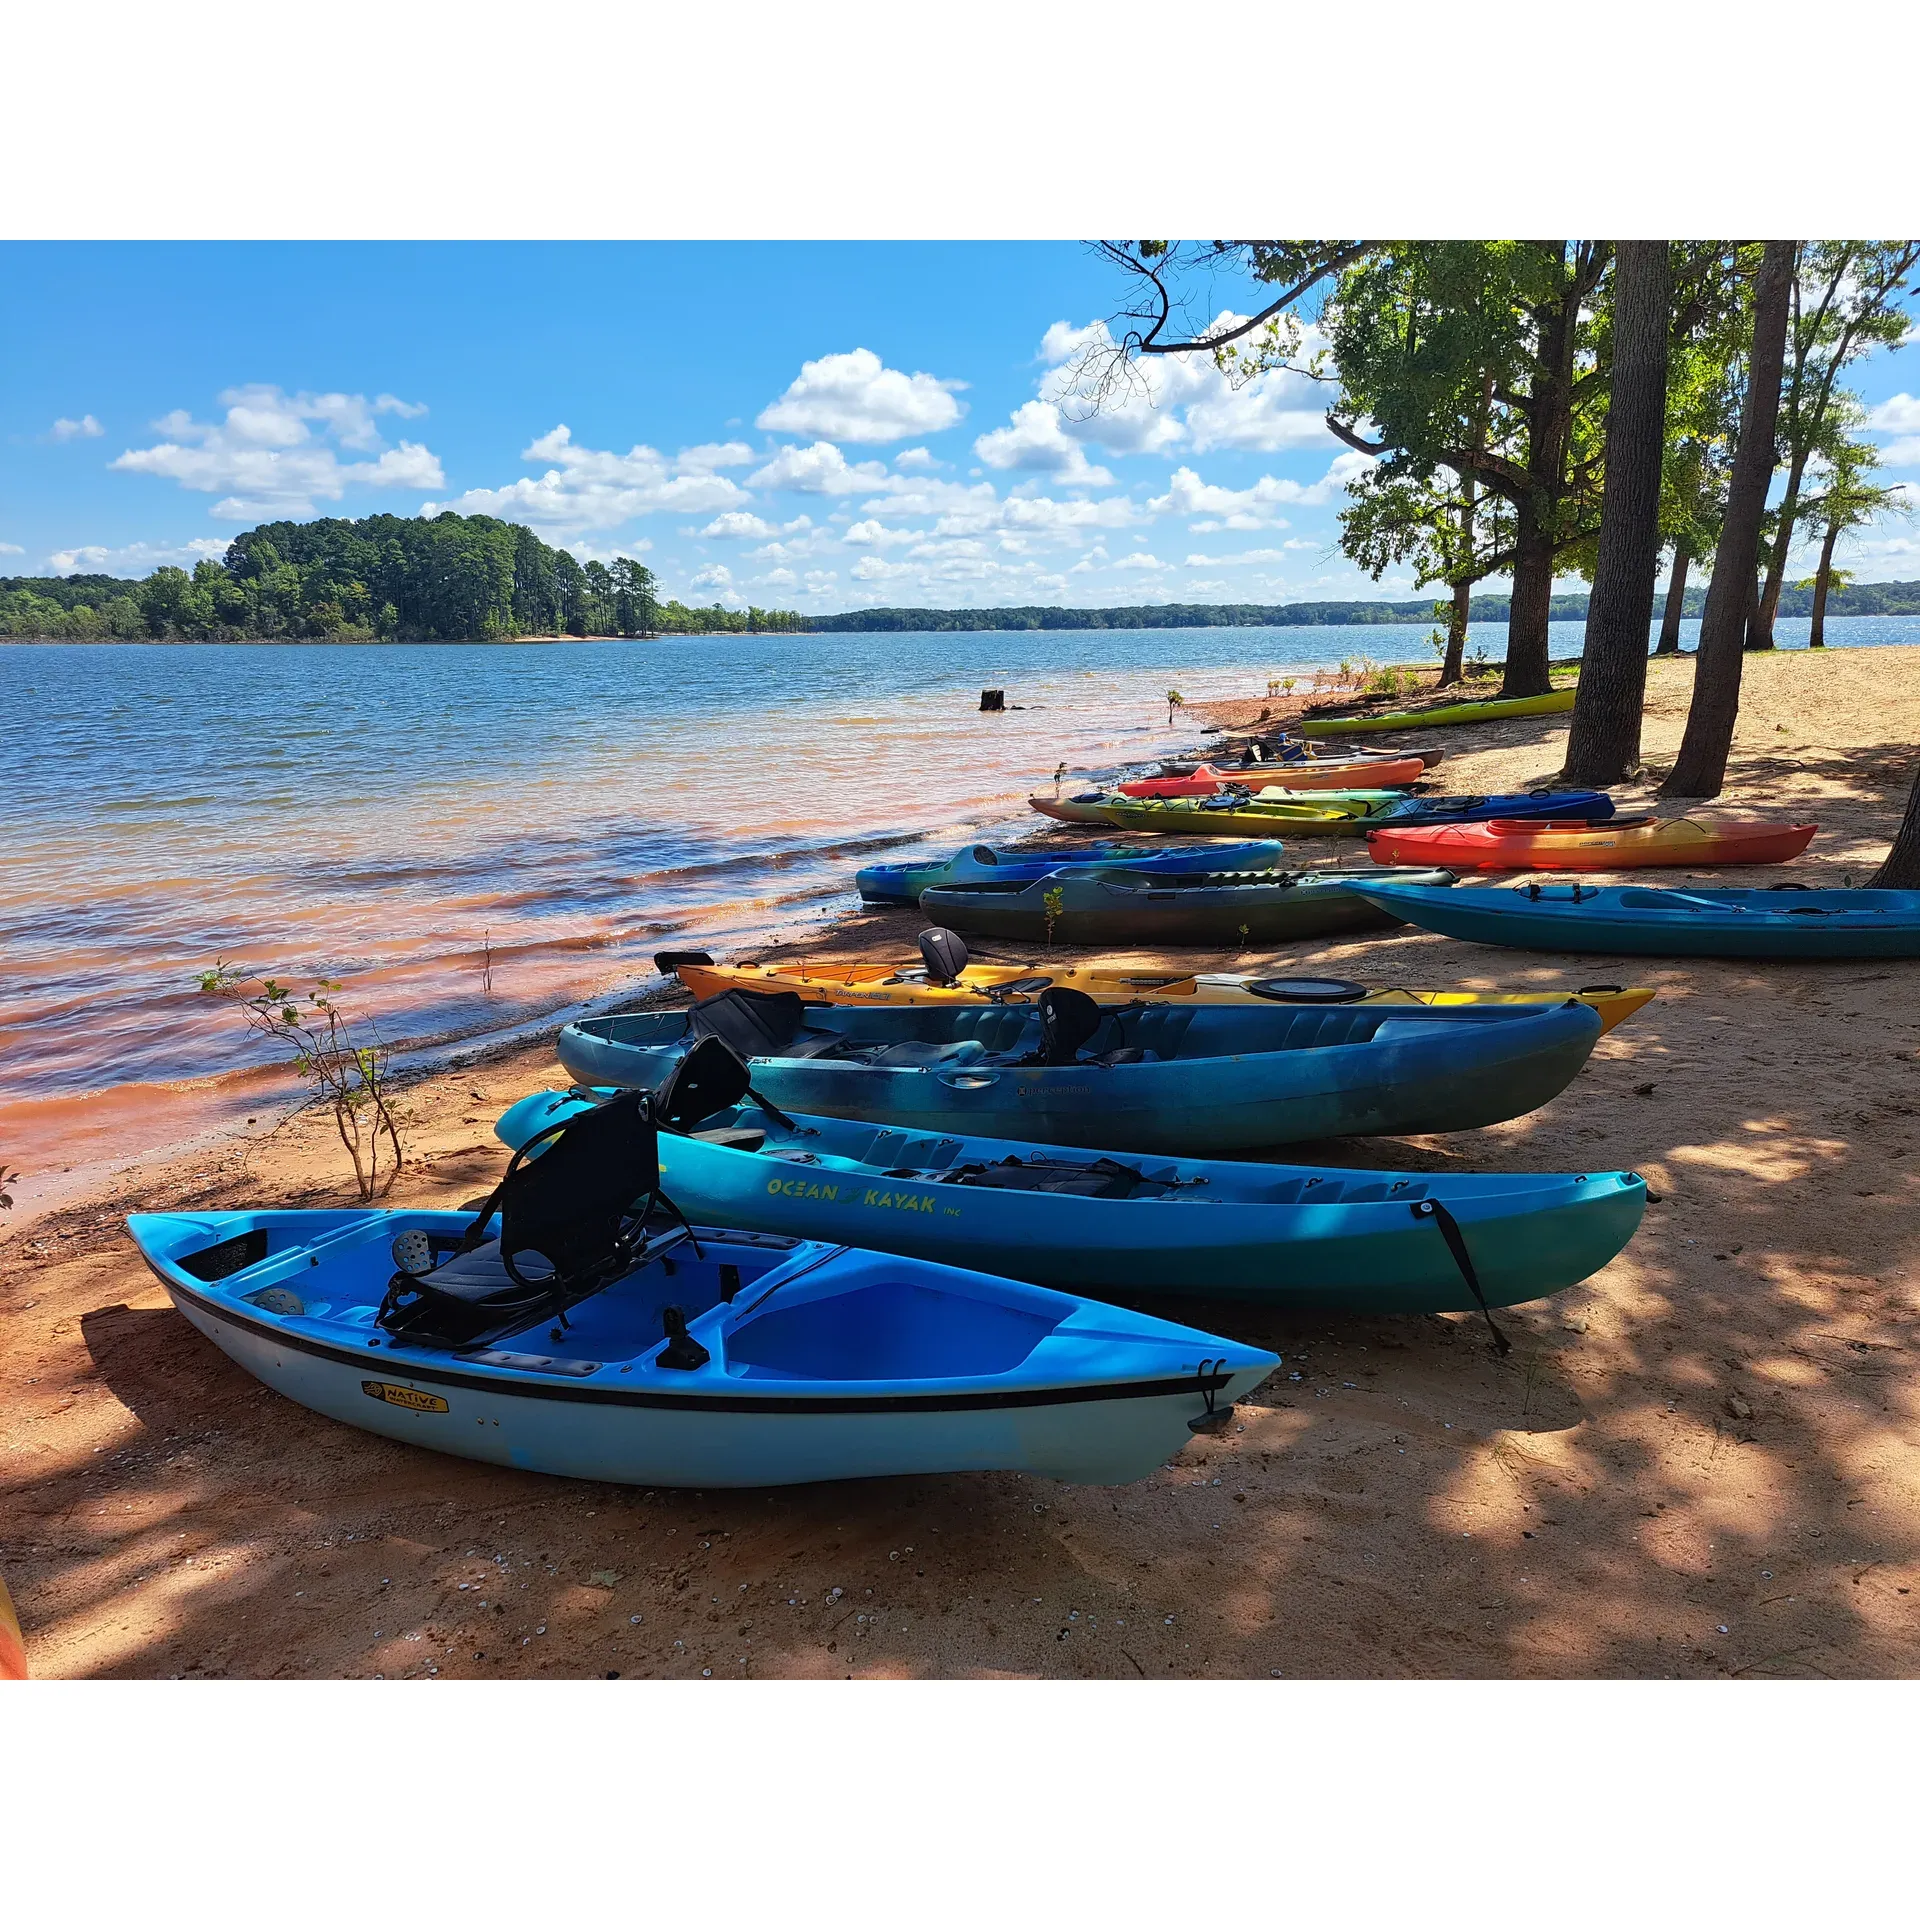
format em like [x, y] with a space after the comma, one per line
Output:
[1701, 1462]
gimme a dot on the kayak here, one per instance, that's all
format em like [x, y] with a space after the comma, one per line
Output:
[13, 1643]
[1753, 923]
[1322, 1238]
[1575, 846]
[746, 1360]
[1284, 750]
[1461, 713]
[901, 882]
[1151, 1077]
[1117, 906]
[1303, 775]
[1336, 812]
[1544, 803]
[875, 983]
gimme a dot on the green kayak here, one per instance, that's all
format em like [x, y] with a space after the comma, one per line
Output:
[1461, 714]
[1122, 908]
[1333, 811]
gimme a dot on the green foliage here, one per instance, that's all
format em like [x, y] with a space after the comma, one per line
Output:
[1054, 901]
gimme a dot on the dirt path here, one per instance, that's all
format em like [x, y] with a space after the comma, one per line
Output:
[1702, 1461]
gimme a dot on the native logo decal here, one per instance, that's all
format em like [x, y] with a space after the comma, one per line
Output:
[409, 1397]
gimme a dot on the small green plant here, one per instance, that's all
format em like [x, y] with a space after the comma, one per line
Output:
[1245, 936]
[349, 1076]
[1288, 684]
[1175, 699]
[1477, 662]
[1054, 900]
[1437, 640]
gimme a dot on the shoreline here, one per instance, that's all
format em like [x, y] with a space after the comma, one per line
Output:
[1714, 1433]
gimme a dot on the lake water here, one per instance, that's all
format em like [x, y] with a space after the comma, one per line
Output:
[470, 837]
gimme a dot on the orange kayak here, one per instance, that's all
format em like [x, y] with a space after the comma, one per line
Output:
[1574, 846]
[1208, 779]
[13, 1646]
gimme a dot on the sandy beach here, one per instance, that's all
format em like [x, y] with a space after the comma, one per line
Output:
[1701, 1462]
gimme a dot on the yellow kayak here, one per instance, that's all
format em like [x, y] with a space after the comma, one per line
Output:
[1462, 713]
[875, 983]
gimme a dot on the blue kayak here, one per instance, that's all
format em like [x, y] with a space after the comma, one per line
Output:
[744, 1359]
[1439, 809]
[1298, 1237]
[1139, 1077]
[900, 883]
[1752, 923]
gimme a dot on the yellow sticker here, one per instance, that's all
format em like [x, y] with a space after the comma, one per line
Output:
[409, 1397]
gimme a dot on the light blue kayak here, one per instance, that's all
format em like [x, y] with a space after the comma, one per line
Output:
[1306, 1237]
[797, 1361]
[1750, 923]
[1140, 1077]
[900, 883]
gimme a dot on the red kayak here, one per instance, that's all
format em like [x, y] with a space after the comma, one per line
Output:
[1581, 846]
[1305, 777]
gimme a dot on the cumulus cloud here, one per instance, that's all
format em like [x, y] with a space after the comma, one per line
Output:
[585, 489]
[140, 558]
[1246, 508]
[1034, 441]
[1141, 562]
[279, 452]
[737, 526]
[85, 428]
[870, 533]
[917, 460]
[714, 455]
[820, 468]
[853, 396]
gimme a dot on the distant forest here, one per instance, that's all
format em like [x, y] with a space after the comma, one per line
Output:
[456, 577]
[462, 577]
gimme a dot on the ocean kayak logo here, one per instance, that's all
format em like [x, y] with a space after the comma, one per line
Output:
[868, 1197]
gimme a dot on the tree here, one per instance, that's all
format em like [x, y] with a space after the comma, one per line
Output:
[1901, 867]
[1420, 331]
[1842, 306]
[635, 608]
[1603, 743]
[1701, 767]
[1849, 500]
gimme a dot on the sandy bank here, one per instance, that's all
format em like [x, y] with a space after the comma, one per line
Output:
[1702, 1461]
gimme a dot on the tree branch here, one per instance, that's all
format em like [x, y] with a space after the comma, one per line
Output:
[1341, 431]
[1150, 342]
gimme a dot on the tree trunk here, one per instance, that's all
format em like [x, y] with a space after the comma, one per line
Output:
[1452, 666]
[1817, 633]
[1760, 632]
[1901, 868]
[1676, 603]
[1531, 608]
[1603, 743]
[1701, 768]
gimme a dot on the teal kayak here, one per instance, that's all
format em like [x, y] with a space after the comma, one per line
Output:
[1144, 1077]
[1301, 1237]
[900, 883]
[1752, 923]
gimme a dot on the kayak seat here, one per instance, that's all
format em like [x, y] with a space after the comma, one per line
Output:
[928, 1053]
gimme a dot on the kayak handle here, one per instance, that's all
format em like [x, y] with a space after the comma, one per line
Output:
[967, 1080]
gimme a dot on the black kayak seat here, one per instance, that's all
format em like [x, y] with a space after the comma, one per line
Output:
[1101, 1179]
[747, 1139]
[760, 1025]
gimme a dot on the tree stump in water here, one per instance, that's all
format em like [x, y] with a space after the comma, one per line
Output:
[993, 700]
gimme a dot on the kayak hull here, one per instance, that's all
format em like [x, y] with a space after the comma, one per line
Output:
[1342, 811]
[1736, 923]
[1518, 845]
[1135, 909]
[1304, 776]
[1296, 1073]
[1301, 1237]
[1462, 713]
[874, 983]
[1069, 1389]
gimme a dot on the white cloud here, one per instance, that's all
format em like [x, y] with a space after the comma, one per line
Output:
[7, 546]
[917, 460]
[713, 577]
[737, 526]
[870, 533]
[713, 455]
[820, 468]
[1901, 414]
[1142, 562]
[85, 428]
[586, 489]
[1246, 508]
[1902, 453]
[140, 558]
[852, 396]
[1035, 442]
[265, 449]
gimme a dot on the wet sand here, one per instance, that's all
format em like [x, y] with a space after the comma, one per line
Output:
[1703, 1461]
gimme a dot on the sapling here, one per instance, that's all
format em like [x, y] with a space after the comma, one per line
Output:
[348, 1074]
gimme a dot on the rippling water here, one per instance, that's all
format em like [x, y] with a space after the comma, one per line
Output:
[393, 816]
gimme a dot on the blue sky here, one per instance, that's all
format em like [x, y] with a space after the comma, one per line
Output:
[787, 423]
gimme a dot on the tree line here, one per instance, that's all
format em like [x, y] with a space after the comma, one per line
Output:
[1533, 408]
[384, 578]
